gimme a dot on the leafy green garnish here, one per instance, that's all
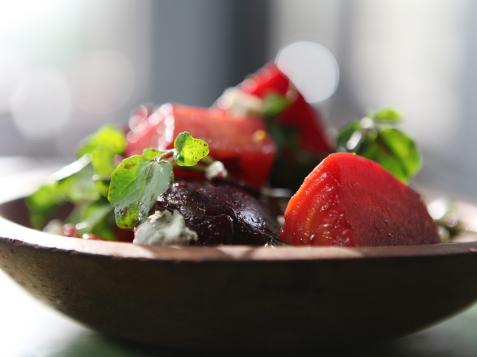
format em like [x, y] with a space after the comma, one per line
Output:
[81, 186]
[188, 150]
[84, 182]
[131, 188]
[284, 137]
[386, 115]
[95, 218]
[151, 154]
[139, 180]
[135, 185]
[107, 138]
[73, 184]
[102, 148]
[376, 138]
[42, 203]
[274, 104]
[237, 102]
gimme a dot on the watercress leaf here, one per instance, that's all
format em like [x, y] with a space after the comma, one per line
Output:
[376, 152]
[94, 218]
[376, 138]
[404, 149]
[189, 150]
[346, 133]
[90, 215]
[102, 162]
[78, 182]
[42, 203]
[274, 104]
[102, 149]
[71, 169]
[102, 186]
[78, 187]
[393, 150]
[135, 185]
[106, 138]
[150, 154]
[104, 228]
[284, 137]
[386, 115]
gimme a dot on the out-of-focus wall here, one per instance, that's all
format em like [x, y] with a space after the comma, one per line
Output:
[67, 67]
[415, 55]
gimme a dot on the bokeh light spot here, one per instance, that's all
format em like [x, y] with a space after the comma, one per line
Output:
[103, 82]
[12, 69]
[312, 68]
[41, 104]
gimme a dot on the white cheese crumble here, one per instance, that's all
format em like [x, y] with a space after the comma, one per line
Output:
[216, 169]
[164, 228]
[55, 226]
[240, 103]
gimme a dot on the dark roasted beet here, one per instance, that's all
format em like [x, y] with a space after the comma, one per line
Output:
[220, 213]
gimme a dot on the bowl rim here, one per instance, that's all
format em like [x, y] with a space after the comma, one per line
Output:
[15, 234]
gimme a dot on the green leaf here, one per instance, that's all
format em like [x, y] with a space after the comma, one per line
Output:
[42, 203]
[94, 218]
[135, 186]
[284, 137]
[102, 185]
[92, 214]
[84, 181]
[386, 115]
[404, 150]
[81, 187]
[151, 154]
[102, 162]
[74, 184]
[105, 228]
[274, 104]
[189, 150]
[102, 148]
[345, 134]
[107, 137]
[379, 141]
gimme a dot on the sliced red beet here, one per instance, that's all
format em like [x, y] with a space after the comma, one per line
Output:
[241, 143]
[220, 213]
[270, 79]
[349, 200]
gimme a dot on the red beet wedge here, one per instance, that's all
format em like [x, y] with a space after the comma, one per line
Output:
[348, 200]
[270, 79]
[241, 143]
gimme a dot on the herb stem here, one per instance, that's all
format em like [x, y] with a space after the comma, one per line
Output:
[165, 154]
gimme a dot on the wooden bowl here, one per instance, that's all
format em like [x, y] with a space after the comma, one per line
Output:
[239, 297]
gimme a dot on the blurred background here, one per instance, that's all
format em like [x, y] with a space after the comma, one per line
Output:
[68, 66]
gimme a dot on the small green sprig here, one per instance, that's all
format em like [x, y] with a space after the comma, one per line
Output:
[274, 104]
[102, 148]
[377, 138]
[139, 180]
[131, 187]
[83, 183]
